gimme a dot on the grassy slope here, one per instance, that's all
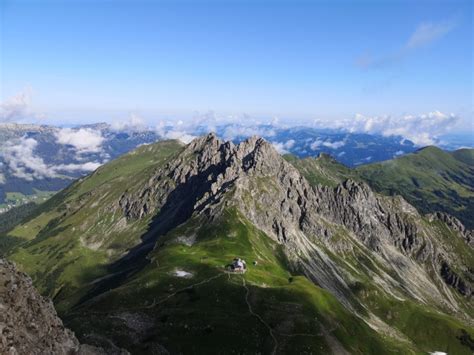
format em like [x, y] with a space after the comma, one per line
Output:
[63, 267]
[60, 250]
[422, 324]
[322, 170]
[465, 155]
[214, 313]
[430, 179]
[63, 246]
[9, 220]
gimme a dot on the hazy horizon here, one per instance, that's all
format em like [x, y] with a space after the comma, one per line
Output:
[398, 67]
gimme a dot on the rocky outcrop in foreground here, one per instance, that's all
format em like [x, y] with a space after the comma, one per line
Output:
[28, 322]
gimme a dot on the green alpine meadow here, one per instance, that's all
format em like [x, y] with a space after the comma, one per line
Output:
[234, 177]
[139, 256]
[430, 179]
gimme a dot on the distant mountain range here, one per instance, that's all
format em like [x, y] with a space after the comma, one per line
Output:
[37, 161]
[351, 149]
[136, 255]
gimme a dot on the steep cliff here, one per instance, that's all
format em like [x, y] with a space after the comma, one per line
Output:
[29, 323]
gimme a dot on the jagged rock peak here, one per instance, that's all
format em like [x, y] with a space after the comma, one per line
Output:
[210, 139]
[256, 143]
[357, 187]
[454, 224]
[211, 142]
[207, 164]
[250, 153]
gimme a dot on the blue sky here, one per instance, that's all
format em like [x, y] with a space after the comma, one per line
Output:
[84, 61]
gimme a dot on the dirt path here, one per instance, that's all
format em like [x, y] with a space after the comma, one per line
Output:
[275, 347]
[155, 303]
[333, 343]
[335, 346]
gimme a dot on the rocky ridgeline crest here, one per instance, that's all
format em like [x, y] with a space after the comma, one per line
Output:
[455, 225]
[210, 174]
[338, 237]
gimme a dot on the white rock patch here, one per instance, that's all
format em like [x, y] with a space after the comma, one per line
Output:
[182, 273]
[187, 240]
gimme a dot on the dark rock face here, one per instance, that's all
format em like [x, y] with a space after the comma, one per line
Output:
[371, 217]
[28, 322]
[456, 225]
[453, 279]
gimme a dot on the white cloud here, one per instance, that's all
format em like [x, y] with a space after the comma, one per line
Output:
[208, 120]
[327, 143]
[290, 143]
[179, 130]
[429, 32]
[283, 148]
[84, 140]
[334, 145]
[420, 129]
[134, 123]
[229, 127]
[236, 130]
[424, 34]
[23, 163]
[316, 144]
[21, 160]
[179, 135]
[16, 108]
[88, 166]
[279, 146]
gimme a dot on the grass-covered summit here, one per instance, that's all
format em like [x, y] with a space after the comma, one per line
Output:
[431, 179]
[134, 256]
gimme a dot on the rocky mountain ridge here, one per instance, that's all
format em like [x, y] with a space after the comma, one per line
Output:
[29, 323]
[136, 250]
[286, 207]
[431, 179]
